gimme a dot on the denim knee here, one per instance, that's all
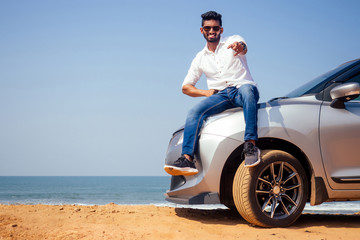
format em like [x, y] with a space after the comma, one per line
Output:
[248, 90]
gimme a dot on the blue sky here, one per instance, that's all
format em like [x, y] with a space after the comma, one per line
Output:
[94, 87]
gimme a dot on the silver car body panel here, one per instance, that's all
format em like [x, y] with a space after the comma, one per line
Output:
[294, 120]
[340, 145]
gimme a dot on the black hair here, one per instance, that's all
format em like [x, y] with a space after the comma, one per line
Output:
[211, 15]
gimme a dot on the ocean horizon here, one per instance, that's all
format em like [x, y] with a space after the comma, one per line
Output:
[121, 190]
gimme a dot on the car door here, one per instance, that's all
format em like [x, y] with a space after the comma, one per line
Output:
[339, 131]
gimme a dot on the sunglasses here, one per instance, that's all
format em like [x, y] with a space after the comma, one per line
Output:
[207, 28]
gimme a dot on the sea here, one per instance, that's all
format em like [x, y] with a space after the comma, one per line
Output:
[120, 190]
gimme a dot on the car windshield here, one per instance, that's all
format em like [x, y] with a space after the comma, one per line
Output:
[317, 85]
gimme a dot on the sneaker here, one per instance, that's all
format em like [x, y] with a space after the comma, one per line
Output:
[252, 154]
[182, 166]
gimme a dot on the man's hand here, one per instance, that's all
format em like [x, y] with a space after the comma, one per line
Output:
[210, 92]
[192, 91]
[239, 48]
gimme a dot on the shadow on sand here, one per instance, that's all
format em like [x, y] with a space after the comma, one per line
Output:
[231, 217]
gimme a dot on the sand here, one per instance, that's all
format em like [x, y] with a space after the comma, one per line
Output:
[152, 222]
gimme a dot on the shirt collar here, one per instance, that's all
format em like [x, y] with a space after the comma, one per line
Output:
[221, 42]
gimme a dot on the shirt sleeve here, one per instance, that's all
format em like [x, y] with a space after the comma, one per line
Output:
[236, 38]
[194, 72]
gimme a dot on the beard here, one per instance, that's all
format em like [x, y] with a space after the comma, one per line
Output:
[215, 39]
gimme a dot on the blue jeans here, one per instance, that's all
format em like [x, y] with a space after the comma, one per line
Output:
[246, 97]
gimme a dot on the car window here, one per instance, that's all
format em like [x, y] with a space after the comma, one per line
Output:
[317, 85]
[352, 78]
[355, 79]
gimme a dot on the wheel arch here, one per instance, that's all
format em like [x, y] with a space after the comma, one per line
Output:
[232, 164]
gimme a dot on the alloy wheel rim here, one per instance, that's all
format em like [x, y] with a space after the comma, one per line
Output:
[279, 190]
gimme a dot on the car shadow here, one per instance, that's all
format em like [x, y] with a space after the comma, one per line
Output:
[219, 216]
[327, 220]
[231, 217]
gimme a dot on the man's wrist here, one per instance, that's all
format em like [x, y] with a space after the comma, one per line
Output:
[243, 46]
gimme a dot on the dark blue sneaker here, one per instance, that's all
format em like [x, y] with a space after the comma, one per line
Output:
[182, 166]
[252, 155]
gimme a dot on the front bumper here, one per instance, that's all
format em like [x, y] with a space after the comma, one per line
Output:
[204, 187]
[215, 146]
[202, 198]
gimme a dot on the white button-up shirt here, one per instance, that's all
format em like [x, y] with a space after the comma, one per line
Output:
[221, 68]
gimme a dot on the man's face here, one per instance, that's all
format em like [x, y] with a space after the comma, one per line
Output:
[211, 30]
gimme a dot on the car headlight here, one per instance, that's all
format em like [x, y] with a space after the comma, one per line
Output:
[181, 139]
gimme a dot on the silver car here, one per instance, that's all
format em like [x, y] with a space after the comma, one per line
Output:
[310, 145]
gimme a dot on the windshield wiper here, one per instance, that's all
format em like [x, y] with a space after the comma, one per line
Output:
[277, 98]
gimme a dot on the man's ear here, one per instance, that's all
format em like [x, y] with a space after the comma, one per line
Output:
[202, 30]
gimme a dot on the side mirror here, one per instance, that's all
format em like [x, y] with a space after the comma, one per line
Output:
[343, 93]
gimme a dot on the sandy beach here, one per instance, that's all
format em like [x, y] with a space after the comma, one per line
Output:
[152, 222]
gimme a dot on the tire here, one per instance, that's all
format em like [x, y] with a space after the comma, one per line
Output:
[273, 193]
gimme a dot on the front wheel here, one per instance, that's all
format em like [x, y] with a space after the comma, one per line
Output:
[272, 194]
